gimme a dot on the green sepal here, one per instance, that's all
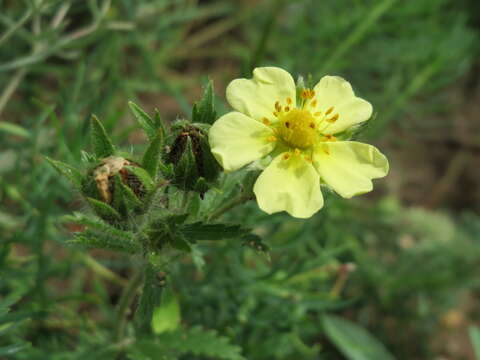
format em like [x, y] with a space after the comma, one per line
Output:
[203, 111]
[71, 173]
[186, 172]
[101, 143]
[211, 167]
[130, 199]
[151, 158]
[142, 175]
[144, 120]
[150, 299]
[103, 210]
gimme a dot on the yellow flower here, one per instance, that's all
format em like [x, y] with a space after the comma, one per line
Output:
[299, 135]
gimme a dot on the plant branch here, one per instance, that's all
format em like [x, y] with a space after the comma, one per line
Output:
[125, 302]
[239, 200]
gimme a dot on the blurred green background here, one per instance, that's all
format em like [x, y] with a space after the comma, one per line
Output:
[401, 263]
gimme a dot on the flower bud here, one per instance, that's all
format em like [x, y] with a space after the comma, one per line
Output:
[113, 183]
[194, 167]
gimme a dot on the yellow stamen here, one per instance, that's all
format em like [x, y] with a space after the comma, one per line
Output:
[297, 152]
[318, 113]
[266, 121]
[286, 156]
[329, 110]
[333, 118]
[287, 108]
[271, 139]
[289, 101]
[296, 128]
[313, 103]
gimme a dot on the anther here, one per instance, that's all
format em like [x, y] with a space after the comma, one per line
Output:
[307, 158]
[275, 114]
[318, 113]
[286, 156]
[313, 103]
[333, 118]
[266, 121]
[287, 124]
[287, 108]
[329, 110]
[289, 101]
[312, 125]
[271, 139]
[297, 152]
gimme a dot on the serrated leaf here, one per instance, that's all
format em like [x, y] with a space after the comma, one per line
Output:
[353, 341]
[72, 174]
[202, 231]
[152, 157]
[105, 241]
[101, 143]
[204, 110]
[196, 341]
[145, 121]
[98, 226]
[142, 175]
[103, 210]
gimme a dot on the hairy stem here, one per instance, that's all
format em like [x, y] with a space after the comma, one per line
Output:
[125, 302]
[239, 200]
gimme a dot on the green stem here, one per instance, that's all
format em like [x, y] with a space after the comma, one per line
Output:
[125, 302]
[239, 200]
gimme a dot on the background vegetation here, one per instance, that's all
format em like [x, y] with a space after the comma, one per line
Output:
[399, 264]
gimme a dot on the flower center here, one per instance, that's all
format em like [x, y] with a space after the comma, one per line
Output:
[298, 128]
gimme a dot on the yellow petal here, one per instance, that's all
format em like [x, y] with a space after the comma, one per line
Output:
[256, 97]
[236, 140]
[334, 95]
[290, 185]
[349, 166]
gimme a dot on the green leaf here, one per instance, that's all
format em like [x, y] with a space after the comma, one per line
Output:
[103, 210]
[14, 129]
[106, 241]
[353, 341]
[196, 341]
[101, 143]
[474, 333]
[150, 298]
[166, 316]
[151, 158]
[204, 110]
[72, 174]
[145, 121]
[202, 231]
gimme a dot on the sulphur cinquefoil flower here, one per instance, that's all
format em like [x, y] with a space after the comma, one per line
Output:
[299, 136]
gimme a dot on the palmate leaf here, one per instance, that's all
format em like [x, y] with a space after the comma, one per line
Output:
[196, 341]
[353, 341]
[204, 110]
[101, 143]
